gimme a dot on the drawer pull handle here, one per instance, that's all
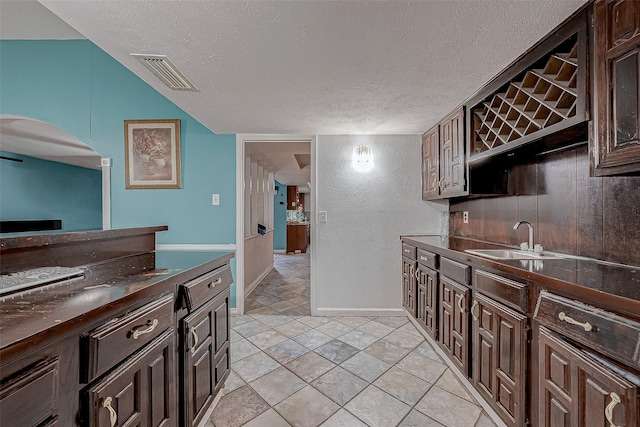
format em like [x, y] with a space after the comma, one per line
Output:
[460, 303]
[473, 307]
[216, 282]
[407, 250]
[141, 330]
[113, 416]
[424, 258]
[195, 339]
[586, 325]
[608, 411]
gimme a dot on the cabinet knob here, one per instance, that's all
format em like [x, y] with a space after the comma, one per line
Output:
[216, 282]
[608, 411]
[473, 307]
[141, 330]
[586, 325]
[113, 416]
[195, 339]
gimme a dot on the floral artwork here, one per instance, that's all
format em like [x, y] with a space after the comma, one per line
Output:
[152, 153]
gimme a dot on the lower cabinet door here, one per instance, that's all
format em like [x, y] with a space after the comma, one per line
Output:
[454, 322]
[427, 300]
[205, 363]
[575, 390]
[409, 285]
[499, 340]
[139, 392]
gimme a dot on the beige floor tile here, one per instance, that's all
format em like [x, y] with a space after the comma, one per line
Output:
[343, 418]
[378, 330]
[448, 409]
[277, 385]
[422, 367]
[334, 329]
[312, 339]
[314, 322]
[416, 419]
[340, 385]
[306, 408]
[404, 340]
[273, 320]
[269, 418]
[409, 329]
[242, 348]
[377, 408]
[402, 385]
[310, 366]
[254, 366]
[293, 328]
[366, 366]
[425, 349]
[449, 382]
[251, 328]
[392, 321]
[485, 421]
[286, 351]
[352, 321]
[238, 407]
[267, 339]
[358, 339]
[386, 351]
[232, 383]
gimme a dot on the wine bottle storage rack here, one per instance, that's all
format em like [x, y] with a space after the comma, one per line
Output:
[537, 99]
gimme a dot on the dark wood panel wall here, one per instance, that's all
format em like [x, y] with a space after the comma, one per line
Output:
[571, 212]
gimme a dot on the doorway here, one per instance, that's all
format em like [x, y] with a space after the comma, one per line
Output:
[252, 155]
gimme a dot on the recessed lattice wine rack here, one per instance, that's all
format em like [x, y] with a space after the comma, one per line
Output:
[537, 99]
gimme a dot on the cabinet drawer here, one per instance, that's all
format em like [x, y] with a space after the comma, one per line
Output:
[408, 251]
[604, 332]
[509, 292]
[461, 273]
[115, 340]
[30, 398]
[200, 290]
[428, 259]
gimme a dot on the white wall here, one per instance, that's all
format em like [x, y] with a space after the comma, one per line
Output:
[258, 259]
[358, 264]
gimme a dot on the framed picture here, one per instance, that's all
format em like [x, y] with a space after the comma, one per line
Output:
[152, 154]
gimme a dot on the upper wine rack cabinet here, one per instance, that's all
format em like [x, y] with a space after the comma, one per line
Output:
[541, 94]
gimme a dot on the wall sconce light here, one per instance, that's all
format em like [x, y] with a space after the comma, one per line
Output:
[362, 158]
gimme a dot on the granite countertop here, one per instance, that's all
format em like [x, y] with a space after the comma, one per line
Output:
[56, 308]
[598, 280]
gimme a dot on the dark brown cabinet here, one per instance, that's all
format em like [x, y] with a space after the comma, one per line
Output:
[297, 237]
[499, 341]
[139, 392]
[292, 198]
[576, 390]
[427, 299]
[454, 322]
[409, 285]
[616, 94]
[204, 343]
[29, 398]
[444, 169]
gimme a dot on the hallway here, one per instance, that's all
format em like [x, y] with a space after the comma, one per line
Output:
[291, 369]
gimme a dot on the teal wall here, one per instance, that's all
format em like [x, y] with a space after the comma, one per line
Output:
[280, 218]
[40, 189]
[77, 87]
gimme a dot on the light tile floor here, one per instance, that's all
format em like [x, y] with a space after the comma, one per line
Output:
[291, 369]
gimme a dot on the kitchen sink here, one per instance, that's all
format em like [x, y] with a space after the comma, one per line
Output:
[509, 254]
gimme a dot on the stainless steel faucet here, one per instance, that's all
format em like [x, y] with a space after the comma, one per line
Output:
[530, 246]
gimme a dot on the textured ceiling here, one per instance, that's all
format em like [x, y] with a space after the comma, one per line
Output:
[279, 157]
[320, 67]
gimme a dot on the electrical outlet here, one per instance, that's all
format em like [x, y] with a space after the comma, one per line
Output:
[215, 199]
[322, 216]
[465, 217]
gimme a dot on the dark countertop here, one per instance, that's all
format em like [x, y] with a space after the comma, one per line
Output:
[606, 284]
[50, 311]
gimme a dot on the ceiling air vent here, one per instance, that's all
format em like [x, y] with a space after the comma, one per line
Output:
[164, 69]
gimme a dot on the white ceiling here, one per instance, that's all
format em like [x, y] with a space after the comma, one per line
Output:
[306, 67]
[279, 156]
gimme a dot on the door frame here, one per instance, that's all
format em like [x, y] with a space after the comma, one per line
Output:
[241, 140]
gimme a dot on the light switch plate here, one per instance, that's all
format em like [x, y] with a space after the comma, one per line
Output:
[322, 216]
[215, 199]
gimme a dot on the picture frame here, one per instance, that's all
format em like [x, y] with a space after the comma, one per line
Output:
[152, 154]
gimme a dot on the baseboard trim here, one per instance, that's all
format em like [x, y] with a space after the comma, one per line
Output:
[279, 251]
[233, 311]
[252, 285]
[360, 312]
[195, 247]
[465, 381]
[207, 415]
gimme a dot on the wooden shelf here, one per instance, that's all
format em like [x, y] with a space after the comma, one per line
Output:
[531, 103]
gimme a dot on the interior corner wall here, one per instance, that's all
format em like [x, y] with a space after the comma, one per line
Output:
[76, 86]
[358, 264]
[280, 218]
[36, 189]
